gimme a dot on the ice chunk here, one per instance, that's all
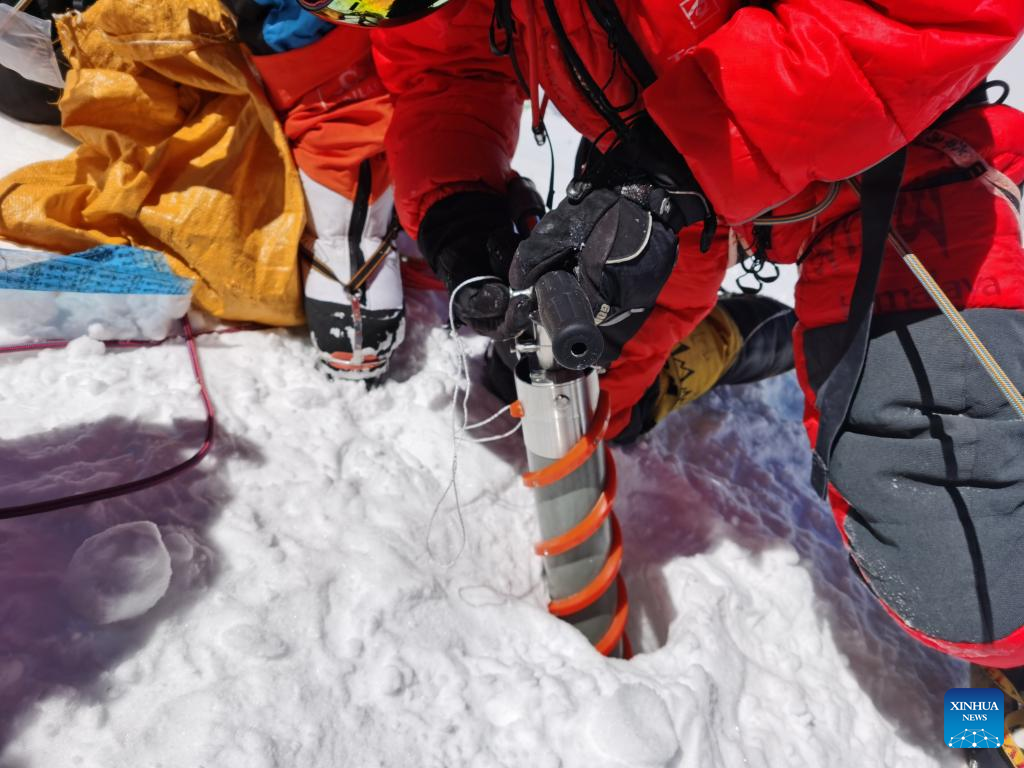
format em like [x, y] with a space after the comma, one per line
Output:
[118, 574]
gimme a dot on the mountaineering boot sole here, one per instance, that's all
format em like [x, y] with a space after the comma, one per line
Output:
[354, 344]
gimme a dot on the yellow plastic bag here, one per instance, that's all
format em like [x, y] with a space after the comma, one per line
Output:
[180, 153]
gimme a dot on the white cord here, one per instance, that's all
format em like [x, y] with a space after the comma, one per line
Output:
[488, 420]
[494, 438]
[485, 422]
[464, 384]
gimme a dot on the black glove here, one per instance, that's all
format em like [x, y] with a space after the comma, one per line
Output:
[621, 243]
[617, 229]
[475, 234]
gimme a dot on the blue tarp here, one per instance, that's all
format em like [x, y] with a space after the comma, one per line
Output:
[119, 269]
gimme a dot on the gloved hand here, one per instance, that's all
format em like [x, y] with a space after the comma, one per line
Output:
[617, 230]
[622, 244]
[475, 234]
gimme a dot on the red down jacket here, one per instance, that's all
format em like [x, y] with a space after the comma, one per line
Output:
[767, 101]
[764, 100]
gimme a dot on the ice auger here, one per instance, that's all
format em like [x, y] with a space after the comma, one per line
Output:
[572, 471]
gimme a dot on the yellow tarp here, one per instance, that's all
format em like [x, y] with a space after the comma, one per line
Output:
[180, 153]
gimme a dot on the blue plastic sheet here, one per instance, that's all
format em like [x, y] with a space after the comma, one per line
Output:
[109, 292]
[115, 269]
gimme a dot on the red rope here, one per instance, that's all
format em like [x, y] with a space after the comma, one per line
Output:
[35, 346]
[88, 497]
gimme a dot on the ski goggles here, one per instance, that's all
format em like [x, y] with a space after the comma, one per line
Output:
[371, 13]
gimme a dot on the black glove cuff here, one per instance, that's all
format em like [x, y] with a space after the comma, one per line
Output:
[676, 210]
[455, 232]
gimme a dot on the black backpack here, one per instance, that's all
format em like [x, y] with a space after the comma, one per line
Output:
[28, 100]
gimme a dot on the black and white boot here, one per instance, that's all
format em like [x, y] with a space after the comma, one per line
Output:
[353, 282]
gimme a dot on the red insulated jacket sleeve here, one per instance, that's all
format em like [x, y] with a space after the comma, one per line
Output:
[457, 108]
[819, 90]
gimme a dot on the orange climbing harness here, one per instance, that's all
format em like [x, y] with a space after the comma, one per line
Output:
[602, 511]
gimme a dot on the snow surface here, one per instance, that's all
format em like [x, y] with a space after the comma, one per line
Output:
[303, 623]
[32, 315]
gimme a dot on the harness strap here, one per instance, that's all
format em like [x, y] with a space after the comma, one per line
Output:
[607, 15]
[967, 158]
[880, 190]
[370, 267]
[956, 319]
[833, 414]
[365, 273]
[645, 145]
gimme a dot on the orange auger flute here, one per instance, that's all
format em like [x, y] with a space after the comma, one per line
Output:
[565, 419]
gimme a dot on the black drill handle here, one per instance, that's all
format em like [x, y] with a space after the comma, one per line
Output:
[565, 313]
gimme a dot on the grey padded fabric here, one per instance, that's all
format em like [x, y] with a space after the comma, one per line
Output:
[931, 460]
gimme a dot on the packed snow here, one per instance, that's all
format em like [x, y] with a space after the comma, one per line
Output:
[118, 574]
[279, 605]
